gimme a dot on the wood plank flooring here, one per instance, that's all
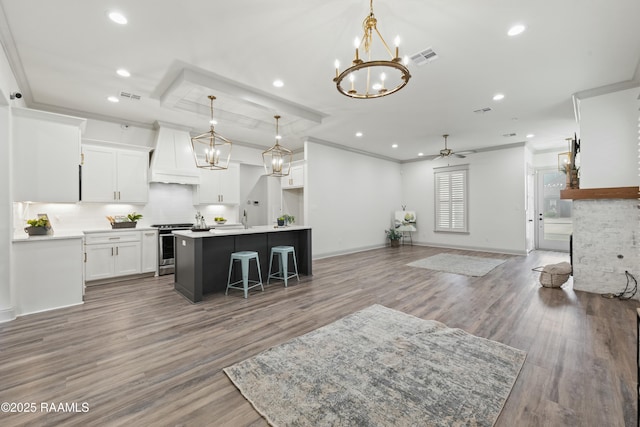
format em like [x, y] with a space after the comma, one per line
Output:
[141, 355]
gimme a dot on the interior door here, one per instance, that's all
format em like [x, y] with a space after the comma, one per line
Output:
[530, 209]
[554, 222]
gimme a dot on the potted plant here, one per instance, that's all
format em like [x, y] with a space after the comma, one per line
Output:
[281, 221]
[394, 236]
[128, 221]
[289, 219]
[38, 226]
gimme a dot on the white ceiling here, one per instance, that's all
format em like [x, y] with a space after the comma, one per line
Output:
[65, 53]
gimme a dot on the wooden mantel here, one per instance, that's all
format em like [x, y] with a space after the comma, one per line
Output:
[600, 193]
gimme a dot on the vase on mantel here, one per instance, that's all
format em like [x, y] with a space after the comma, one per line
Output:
[573, 181]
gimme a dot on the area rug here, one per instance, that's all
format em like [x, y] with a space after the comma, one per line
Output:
[380, 367]
[458, 264]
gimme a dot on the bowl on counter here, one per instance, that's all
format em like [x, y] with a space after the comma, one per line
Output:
[221, 222]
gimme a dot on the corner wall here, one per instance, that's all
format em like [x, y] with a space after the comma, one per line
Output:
[351, 199]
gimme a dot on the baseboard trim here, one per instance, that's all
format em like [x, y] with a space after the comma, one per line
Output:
[473, 248]
[49, 309]
[7, 315]
[347, 251]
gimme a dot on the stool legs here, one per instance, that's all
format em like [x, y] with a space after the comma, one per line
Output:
[283, 266]
[244, 264]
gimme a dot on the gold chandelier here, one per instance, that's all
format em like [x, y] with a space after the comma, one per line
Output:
[277, 159]
[211, 150]
[357, 81]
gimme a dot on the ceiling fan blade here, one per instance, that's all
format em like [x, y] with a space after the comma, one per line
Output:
[436, 157]
[459, 155]
[431, 157]
[466, 152]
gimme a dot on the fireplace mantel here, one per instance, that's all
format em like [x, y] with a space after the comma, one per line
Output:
[600, 193]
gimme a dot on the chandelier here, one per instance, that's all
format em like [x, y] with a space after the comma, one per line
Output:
[277, 159]
[367, 78]
[211, 150]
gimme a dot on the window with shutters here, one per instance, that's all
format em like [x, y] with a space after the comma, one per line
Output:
[451, 199]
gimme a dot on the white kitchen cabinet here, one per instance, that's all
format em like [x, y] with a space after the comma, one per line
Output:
[150, 251]
[218, 186]
[46, 156]
[295, 179]
[47, 273]
[112, 254]
[114, 175]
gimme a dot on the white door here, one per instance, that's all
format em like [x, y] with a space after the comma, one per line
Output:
[554, 222]
[530, 210]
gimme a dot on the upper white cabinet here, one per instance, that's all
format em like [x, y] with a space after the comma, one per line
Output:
[295, 179]
[218, 186]
[114, 174]
[46, 156]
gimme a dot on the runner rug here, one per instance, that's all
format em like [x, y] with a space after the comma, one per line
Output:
[458, 264]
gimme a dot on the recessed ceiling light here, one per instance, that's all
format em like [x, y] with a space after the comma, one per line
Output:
[359, 134]
[123, 73]
[394, 146]
[420, 154]
[498, 97]
[278, 83]
[516, 29]
[113, 99]
[118, 17]
[530, 135]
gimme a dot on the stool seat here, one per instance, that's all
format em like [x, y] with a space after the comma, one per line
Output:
[244, 257]
[283, 264]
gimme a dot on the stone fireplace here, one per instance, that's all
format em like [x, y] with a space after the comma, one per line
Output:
[606, 238]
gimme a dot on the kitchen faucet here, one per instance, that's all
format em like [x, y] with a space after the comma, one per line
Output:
[245, 220]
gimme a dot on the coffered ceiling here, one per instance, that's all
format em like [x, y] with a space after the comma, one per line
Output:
[65, 54]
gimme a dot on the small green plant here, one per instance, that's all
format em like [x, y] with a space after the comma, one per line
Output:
[134, 217]
[393, 234]
[289, 219]
[38, 222]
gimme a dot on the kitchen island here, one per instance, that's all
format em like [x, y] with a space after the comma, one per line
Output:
[202, 257]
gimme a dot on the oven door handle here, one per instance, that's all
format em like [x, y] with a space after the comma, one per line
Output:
[161, 257]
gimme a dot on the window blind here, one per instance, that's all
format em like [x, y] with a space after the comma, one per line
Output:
[451, 199]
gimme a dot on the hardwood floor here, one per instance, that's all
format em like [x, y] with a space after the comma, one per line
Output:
[139, 354]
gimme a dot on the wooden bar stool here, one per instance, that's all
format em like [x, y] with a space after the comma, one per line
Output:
[283, 267]
[244, 257]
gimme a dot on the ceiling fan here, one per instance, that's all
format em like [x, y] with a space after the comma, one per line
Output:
[448, 152]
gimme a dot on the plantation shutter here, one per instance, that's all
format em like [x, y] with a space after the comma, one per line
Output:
[451, 199]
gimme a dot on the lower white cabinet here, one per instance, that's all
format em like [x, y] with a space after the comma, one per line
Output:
[150, 251]
[119, 253]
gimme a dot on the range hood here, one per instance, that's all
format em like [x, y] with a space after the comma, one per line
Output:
[172, 159]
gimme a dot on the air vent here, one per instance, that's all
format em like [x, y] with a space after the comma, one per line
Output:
[482, 110]
[508, 135]
[131, 96]
[421, 58]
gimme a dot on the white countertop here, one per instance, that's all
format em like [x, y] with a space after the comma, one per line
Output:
[236, 231]
[22, 236]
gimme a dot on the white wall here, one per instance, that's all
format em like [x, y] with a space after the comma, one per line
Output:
[8, 84]
[609, 140]
[496, 201]
[253, 188]
[350, 198]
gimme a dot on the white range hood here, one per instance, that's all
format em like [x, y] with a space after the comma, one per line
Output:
[172, 160]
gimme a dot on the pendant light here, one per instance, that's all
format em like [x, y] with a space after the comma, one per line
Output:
[277, 159]
[211, 150]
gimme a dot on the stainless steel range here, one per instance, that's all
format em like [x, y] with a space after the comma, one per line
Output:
[166, 249]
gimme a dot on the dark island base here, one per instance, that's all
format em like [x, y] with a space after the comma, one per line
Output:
[202, 264]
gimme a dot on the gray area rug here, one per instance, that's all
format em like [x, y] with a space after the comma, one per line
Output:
[458, 264]
[380, 367]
